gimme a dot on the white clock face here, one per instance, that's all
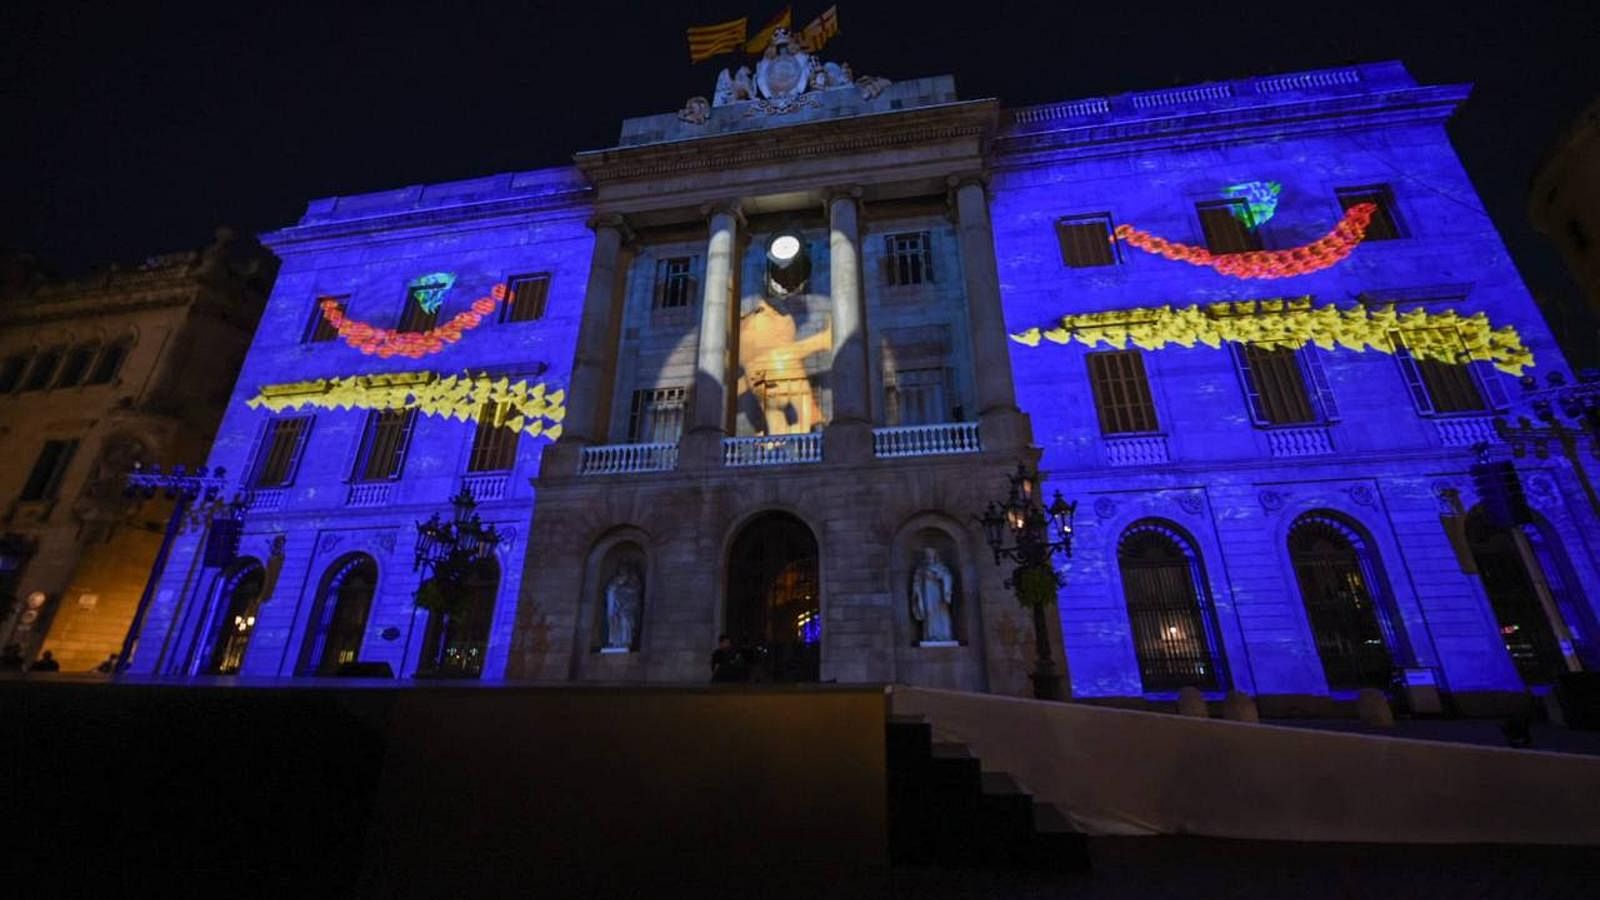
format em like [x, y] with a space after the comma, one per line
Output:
[785, 248]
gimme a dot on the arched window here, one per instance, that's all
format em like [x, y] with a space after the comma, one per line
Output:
[339, 617]
[1528, 579]
[454, 644]
[1347, 602]
[237, 601]
[1174, 625]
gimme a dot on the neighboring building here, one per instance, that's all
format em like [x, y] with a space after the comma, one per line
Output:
[96, 374]
[1564, 201]
[791, 340]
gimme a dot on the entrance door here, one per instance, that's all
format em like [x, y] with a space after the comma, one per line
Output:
[1524, 625]
[773, 607]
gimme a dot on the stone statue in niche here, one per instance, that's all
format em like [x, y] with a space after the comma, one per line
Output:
[624, 600]
[933, 600]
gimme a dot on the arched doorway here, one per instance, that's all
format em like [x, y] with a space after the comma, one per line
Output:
[1344, 594]
[339, 619]
[1175, 633]
[773, 599]
[1517, 562]
[237, 599]
[454, 645]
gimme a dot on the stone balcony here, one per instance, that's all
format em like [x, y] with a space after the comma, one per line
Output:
[782, 449]
[772, 450]
[925, 440]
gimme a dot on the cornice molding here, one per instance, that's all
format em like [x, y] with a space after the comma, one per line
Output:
[488, 213]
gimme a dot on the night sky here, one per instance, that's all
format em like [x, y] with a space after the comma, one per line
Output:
[130, 133]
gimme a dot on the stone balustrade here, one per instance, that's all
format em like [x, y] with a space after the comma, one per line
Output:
[1136, 450]
[925, 440]
[772, 450]
[486, 487]
[1312, 440]
[264, 501]
[1466, 431]
[614, 459]
[368, 494]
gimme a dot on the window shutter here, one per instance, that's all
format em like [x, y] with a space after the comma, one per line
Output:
[1241, 362]
[401, 444]
[1311, 362]
[927, 256]
[300, 439]
[1491, 385]
[1408, 367]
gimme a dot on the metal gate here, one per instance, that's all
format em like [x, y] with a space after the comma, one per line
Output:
[1340, 605]
[774, 609]
[1167, 612]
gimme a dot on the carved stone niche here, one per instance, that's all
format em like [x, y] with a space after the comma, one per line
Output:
[619, 598]
[924, 576]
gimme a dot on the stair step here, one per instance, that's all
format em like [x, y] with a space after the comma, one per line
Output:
[1000, 783]
[950, 750]
[906, 720]
[1047, 819]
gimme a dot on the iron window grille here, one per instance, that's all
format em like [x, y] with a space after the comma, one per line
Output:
[525, 297]
[1283, 386]
[1086, 241]
[278, 455]
[382, 454]
[319, 330]
[1337, 582]
[1122, 392]
[675, 283]
[1223, 222]
[656, 416]
[1174, 630]
[494, 446]
[909, 258]
[1385, 224]
[48, 469]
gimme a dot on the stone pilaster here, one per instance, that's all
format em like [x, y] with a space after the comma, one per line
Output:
[1001, 424]
[708, 420]
[849, 433]
[588, 393]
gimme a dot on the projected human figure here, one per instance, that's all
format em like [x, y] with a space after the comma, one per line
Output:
[775, 395]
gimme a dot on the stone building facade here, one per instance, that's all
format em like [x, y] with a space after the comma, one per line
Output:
[96, 374]
[790, 340]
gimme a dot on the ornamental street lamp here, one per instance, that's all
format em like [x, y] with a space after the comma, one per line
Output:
[1034, 579]
[449, 552]
[183, 488]
[1566, 414]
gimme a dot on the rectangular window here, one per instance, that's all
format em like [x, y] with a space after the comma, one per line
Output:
[1225, 228]
[44, 369]
[494, 446]
[382, 454]
[656, 416]
[48, 469]
[1086, 241]
[1122, 392]
[110, 362]
[319, 329]
[11, 371]
[1441, 387]
[76, 365]
[525, 296]
[414, 318]
[916, 397]
[1385, 225]
[278, 455]
[909, 258]
[1275, 385]
[675, 283]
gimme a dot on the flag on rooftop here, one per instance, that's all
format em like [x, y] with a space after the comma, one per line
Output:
[706, 41]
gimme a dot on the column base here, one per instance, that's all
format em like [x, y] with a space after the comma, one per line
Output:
[1005, 428]
[847, 442]
[561, 459]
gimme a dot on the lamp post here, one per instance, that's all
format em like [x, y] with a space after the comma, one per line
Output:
[1034, 580]
[449, 551]
[1566, 414]
[183, 487]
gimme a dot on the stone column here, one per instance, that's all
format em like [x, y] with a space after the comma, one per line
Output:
[708, 420]
[1001, 424]
[848, 437]
[588, 391]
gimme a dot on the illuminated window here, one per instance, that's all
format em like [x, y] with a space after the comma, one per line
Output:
[1121, 392]
[1223, 222]
[76, 365]
[916, 397]
[1385, 225]
[44, 369]
[656, 416]
[11, 371]
[382, 454]
[278, 454]
[525, 297]
[494, 447]
[48, 469]
[110, 362]
[1175, 634]
[319, 329]
[1086, 241]
[1284, 387]
[414, 317]
[909, 258]
[1442, 387]
[675, 283]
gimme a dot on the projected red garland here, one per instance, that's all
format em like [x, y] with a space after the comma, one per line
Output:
[386, 342]
[1313, 257]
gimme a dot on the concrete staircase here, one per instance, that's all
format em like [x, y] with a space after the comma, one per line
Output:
[945, 811]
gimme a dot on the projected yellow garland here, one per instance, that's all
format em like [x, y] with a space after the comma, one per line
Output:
[465, 397]
[1444, 336]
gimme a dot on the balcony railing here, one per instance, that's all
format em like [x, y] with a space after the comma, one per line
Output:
[1136, 450]
[368, 494]
[1465, 431]
[1311, 441]
[772, 450]
[264, 500]
[487, 486]
[611, 459]
[925, 440]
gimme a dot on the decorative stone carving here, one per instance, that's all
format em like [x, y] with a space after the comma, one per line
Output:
[871, 86]
[696, 111]
[1541, 490]
[933, 600]
[624, 602]
[786, 79]
[386, 541]
[329, 543]
[1361, 494]
[1449, 498]
[1271, 500]
[1191, 502]
[1105, 507]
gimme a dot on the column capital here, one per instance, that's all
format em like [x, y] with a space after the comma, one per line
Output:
[955, 183]
[730, 207]
[614, 221]
[840, 192]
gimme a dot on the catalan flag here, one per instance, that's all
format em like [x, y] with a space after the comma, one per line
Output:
[819, 30]
[706, 41]
[758, 44]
